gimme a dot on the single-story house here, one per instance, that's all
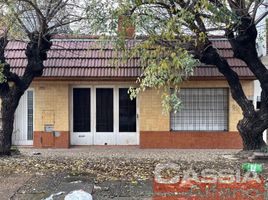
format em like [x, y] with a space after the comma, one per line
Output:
[82, 99]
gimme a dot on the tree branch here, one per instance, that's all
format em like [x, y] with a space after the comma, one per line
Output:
[36, 53]
[3, 44]
[210, 56]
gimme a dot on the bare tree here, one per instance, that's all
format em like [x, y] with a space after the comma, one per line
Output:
[36, 21]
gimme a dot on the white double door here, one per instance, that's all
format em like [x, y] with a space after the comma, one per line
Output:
[103, 116]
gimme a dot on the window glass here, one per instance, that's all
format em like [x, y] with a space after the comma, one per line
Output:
[105, 110]
[30, 115]
[127, 112]
[81, 110]
[203, 109]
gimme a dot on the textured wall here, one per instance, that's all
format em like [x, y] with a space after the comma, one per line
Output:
[51, 105]
[190, 140]
[153, 119]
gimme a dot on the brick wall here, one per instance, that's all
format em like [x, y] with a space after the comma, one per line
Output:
[155, 126]
[52, 107]
[190, 140]
[50, 140]
[152, 117]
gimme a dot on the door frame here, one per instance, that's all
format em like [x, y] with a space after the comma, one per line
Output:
[24, 133]
[115, 113]
[93, 105]
[137, 133]
[82, 134]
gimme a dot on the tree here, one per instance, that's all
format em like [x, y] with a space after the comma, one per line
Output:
[178, 36]
[34, 21]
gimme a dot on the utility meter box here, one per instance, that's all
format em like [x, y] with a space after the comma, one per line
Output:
[49, 128]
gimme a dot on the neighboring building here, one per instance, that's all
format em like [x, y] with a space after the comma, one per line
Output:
[82, 99]
[257, 93]
[262, 51]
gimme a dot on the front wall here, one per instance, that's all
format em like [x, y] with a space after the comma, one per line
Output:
[51, 105]
[155, 126]
[152, 117]
[235, 112]
[52, 102]
[190, 140]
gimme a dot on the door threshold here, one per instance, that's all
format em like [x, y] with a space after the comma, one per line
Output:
[103, 146]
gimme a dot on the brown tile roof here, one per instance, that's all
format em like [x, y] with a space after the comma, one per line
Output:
[89, 58]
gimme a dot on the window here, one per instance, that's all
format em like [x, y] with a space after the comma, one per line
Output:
[258, 103]
[30, 115]
[105, 110]
[203, 109]
[81, 109]
[127, 112]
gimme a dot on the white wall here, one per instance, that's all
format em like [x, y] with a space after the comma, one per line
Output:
[261, 46]
[261, 27]
[257, 92]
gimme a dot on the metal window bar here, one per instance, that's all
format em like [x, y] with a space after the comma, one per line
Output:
[203, 109]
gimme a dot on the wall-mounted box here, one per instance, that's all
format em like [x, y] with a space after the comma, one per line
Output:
[49, 128]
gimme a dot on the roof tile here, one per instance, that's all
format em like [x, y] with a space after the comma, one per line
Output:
[96, 58]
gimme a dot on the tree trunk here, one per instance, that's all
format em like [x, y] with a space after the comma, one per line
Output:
[252, 140]
[251, 133]
[254, 122]
[8, 108]
[13, 88]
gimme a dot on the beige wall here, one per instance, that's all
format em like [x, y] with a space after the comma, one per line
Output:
[52, 104]
[153, 119]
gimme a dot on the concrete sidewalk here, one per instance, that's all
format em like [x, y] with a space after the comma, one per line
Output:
[11, 184]
[105, 172]
[37, 187]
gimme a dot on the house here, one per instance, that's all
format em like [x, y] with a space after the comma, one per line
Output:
[82, 99]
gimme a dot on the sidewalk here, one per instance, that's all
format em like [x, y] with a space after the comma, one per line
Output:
[105, 172]
[42, 186]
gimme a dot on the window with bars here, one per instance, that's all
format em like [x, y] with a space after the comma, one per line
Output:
[203, 109]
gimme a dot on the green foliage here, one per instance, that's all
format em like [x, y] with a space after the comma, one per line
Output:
[166, 64]
[101, 17]
[9, 20]
[163, 68]
[168, 29]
